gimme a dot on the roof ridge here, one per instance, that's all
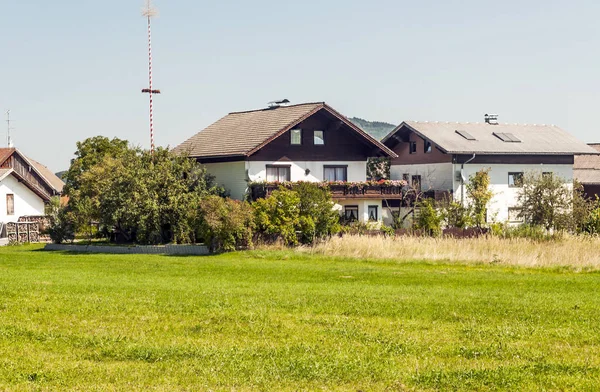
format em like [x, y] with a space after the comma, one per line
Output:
[483, 123]
[278, 107]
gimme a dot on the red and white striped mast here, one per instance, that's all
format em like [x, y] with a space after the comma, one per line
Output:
[150, 12]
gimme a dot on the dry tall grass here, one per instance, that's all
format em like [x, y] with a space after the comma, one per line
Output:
[578, 253]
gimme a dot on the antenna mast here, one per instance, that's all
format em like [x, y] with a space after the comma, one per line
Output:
[150, 12]
[8, 128]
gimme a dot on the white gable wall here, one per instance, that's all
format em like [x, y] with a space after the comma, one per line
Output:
[26, 202]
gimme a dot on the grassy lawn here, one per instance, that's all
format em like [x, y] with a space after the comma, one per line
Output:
[290, 321]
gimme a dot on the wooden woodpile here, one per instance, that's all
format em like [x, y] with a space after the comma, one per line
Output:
[23, 232]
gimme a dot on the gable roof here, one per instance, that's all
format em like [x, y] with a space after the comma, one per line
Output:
[532, 139]
[49, 178]
[243, 133]
[52, 178]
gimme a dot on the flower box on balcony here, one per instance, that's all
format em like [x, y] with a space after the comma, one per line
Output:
[372, 190]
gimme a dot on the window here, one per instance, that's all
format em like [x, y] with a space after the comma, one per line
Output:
[416, 183]
[427, 147]
[319, 138]
[351, 213]
[335, 173]
[513, 215]
[10, 204]
[406, 177]
[507, 137]
[515, 180]
[465, 134]
[412, 147]
[296, 137]
[373, 213]
[278, 173]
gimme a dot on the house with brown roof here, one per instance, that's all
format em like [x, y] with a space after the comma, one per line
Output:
[442, 156]
[290, 143]
[25, 186]
[587, 171]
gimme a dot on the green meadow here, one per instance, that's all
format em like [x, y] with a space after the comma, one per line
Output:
[282, 320]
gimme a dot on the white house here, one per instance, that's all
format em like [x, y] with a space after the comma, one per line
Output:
[304, 142]
[441, 156]
[25, 186]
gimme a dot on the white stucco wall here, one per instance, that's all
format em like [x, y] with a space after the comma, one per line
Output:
[505, 196]
[436, 176]
[231, 175]
[357, 170]
[26, 202]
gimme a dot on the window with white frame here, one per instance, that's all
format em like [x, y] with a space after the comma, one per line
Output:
[335, 173]
[373, 213]
[278, 173]
[351, 213]
[296, 137]
[318, 138]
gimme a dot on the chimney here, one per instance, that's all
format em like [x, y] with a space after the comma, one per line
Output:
[491, 119]
[278, 103]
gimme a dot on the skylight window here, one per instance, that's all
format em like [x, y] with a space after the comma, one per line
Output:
[507, 137]
[466, 135]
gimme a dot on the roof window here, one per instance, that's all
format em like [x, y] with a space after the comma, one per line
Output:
[465, 134]
[507, 137]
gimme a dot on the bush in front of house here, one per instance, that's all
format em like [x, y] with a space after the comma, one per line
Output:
[278, 216]
[429, 219]
[301, 214]
[225, 224]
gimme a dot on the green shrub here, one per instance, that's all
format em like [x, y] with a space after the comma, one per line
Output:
[592, 224]
[457, 215]
[429, 219]
[226, 224]
[317, 218]
[388, 231]
[278, 216]
[61, 228]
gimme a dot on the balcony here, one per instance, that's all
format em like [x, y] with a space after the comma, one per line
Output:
[341, 190]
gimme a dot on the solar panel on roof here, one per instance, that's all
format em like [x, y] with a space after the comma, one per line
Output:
[507, 137]
[513, 138]
[465, 134]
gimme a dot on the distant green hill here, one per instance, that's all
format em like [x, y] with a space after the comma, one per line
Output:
[377, 129]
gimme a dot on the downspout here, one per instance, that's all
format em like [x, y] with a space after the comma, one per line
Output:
[462, 180]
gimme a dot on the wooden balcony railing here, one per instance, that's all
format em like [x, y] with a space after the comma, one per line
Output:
[389, 190]
[340, 190]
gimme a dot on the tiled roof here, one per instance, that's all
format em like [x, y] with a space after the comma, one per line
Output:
[52, 178]
[534, 139]
[587, 167]
[242, 133]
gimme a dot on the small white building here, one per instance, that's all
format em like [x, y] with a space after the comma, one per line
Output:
[291, 143]
[441, 156]
[25, 186]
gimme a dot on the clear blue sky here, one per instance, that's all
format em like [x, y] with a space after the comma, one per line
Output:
[74, 69]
